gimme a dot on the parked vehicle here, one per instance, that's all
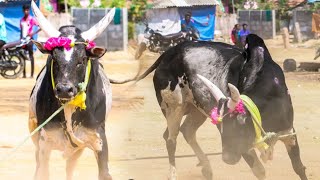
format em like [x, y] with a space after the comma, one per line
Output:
[156, 42]
[12, 58]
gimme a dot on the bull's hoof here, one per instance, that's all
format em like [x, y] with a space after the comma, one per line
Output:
[258, 170]
[302, 173]
[207, 173]
[172, 173]
[200, 164]
[105, 177]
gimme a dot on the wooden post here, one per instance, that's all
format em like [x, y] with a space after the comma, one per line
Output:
[285, 36]
[297, 32]
[66, 6]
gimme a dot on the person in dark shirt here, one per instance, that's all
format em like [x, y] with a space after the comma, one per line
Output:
[244, 32]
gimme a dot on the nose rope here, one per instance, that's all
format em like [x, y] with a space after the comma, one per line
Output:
[80, 99]
[261, 134]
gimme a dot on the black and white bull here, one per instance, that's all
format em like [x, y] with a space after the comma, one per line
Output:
[74, 129]
[181, 80]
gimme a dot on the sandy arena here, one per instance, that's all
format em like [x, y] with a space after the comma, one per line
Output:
[136, 124]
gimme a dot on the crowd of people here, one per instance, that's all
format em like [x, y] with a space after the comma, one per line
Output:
[27, 22]
[238, 35]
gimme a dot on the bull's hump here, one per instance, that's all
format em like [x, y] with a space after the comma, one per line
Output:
[69, 30]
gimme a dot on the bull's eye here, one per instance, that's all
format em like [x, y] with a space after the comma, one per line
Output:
[80, 64]
[241, 119]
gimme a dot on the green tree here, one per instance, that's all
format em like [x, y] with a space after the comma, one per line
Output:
[114, 3]
[137, 10]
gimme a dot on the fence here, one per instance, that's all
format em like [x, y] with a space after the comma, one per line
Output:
[260, 22]
[115, 37]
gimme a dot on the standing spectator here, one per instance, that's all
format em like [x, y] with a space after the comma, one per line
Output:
[187, 25]
[3, 32]
[27, 23]
[235, 38]
[243, 34]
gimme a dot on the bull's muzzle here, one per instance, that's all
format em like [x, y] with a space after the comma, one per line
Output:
[230, 157]
[65, 91]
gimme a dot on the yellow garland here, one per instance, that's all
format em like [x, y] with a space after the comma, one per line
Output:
[255, 114]
[80, 99]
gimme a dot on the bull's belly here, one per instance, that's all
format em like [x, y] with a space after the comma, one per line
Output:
[58, 139]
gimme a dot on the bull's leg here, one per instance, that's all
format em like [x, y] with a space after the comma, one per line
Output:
[71, 162]
[42, 156]
[256, 166]
[189, 128]
[294, 154]
[103, 157]
[174, 117]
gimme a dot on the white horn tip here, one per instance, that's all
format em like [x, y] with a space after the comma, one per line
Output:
[235, 94]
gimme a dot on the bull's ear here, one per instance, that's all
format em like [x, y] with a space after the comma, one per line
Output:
[97, 52]
[40, 46]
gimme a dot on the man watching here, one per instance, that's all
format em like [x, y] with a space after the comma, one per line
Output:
[27, 23]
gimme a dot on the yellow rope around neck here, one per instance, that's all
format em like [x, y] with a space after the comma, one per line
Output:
[257, 124]
[80, 99]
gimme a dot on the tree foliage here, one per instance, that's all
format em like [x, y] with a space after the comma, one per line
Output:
[137, 10]
[114, 3]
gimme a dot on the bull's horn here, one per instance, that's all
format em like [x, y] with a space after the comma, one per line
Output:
[98, 28]
[44, 24]
[235, 96]
[215, 91]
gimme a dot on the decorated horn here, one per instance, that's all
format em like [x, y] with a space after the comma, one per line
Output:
[44, 24]
[98, 28]
[235, 97]
[215, 91]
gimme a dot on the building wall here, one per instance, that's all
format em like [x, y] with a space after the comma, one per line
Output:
[115, 37]
[225, 23]
[260, 22]
[304, 18]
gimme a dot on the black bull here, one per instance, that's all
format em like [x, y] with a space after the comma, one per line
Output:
[180, 92]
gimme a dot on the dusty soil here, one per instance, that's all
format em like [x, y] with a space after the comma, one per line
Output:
[135, 126]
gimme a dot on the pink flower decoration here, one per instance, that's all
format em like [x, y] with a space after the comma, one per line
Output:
[54, 42]
[239, 108]
[90, 45]
[214, 116]
[65, 42]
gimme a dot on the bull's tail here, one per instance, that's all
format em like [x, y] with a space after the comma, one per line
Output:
[112, 81]
[147, 72]
[150, 69]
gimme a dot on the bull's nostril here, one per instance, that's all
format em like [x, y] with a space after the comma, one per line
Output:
[70, 90]
[58, 90]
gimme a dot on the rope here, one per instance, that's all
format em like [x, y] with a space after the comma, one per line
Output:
[31, 134]
[78, 100]
[256, 117]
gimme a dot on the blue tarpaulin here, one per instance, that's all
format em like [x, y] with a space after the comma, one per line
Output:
[204, 20]
[12, 12]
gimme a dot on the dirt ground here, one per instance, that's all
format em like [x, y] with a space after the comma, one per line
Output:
[136, 124]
